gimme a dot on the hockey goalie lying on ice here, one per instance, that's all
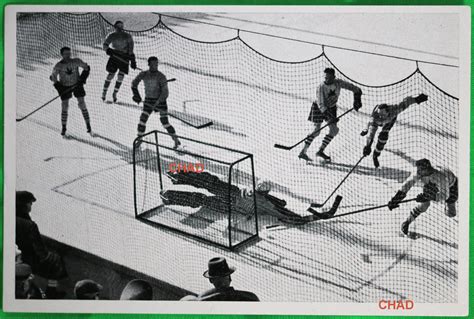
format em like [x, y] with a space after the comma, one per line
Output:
[241, 198]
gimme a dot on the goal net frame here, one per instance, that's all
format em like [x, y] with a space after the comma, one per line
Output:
[243, 156]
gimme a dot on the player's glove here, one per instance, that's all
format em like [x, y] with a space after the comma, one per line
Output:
[364, 132]
[357, 100]
[137, 99]
[109, 51]
[133, 61]
[450, 210]
[367, 150]
[421, 98]
[83, 77]
[330, 118]
[136, 96]
[430, 190]
[395, 201]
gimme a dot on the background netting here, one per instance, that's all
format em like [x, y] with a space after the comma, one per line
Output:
[85, 187]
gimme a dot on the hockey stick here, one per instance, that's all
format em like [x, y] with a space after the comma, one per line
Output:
[328, 213]
[45, 104]
[283, 147]
[371, 208]
[191, 124]
[325, 215]
[343, 180]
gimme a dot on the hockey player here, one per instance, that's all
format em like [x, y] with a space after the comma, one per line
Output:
[156, 93]
[385, 115]
[325, 108]
[440, 184]
[119, 46]
[68, 81]
[241, 199]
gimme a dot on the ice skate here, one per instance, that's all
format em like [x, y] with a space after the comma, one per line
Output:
[177, 143]
[325, 157]
[114, 97]
[63, 131]
[89, 130]
[305, 157]
[376, 161]
[404, 229]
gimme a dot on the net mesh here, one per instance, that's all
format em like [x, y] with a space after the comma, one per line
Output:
[254, 102]
[197, 190]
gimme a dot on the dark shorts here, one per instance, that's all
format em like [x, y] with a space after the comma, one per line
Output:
[115, 64]
[148, 106]
[316, 116]
[78, 92]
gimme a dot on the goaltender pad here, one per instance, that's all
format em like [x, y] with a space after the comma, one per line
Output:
[204, 191]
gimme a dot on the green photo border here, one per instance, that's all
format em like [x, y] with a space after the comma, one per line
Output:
[207, 2]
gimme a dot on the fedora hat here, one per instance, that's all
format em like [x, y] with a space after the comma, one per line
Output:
[217, 267]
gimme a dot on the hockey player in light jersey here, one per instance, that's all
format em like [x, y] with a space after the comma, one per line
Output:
[385, 115]
[68, 81]
[156, 93]
[119, 46]
[440, 184]
[325, 108]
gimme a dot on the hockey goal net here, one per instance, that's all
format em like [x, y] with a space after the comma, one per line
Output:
[204, 190]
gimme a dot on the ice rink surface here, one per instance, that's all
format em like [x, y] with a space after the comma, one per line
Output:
[84, 185]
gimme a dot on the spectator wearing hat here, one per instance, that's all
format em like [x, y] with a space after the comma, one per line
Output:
[25, 287]
[137, 290]
[87, 290]
[218, 274]
[43, 262]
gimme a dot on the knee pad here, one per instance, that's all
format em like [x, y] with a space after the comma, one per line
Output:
[423, 207]
[110, 76]
[120, 76]
[81, 103]
[333, 130]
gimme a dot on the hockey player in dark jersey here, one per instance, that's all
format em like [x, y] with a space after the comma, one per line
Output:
[385, 115]
[119, 46]
[439, 185]
[241, 199]
[156, 93]
[325, 109]
[68, 81]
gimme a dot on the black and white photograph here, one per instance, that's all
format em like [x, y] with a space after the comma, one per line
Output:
[237, 160]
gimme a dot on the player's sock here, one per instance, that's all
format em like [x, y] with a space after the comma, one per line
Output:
[63, 122]
[375, 157]
[327, 139]
[142, 124]
[85, 114]
[414, 214]
[118, 84]
[106, 87]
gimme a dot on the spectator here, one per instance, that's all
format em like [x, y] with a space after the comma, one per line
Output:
[43, 262]
[137, 290]
[25, 288]
[18, 259]
[219, 275]
[87, 290]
